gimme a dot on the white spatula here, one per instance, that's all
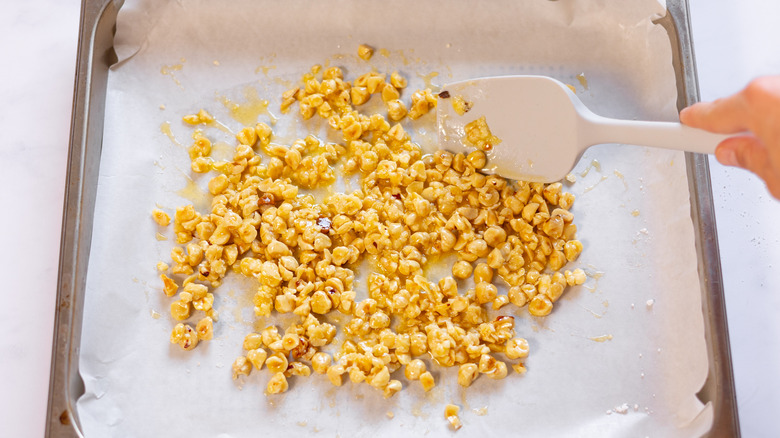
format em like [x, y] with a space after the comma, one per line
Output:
[544, 128]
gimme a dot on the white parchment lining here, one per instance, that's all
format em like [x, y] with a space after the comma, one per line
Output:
[632, 211]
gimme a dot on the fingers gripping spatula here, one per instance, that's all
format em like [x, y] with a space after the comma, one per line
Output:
[544, 128]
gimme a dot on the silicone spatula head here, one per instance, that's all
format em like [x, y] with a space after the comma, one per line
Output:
[532, 119]
[534, 128]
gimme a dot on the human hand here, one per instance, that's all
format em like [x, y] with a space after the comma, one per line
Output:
[756, 111]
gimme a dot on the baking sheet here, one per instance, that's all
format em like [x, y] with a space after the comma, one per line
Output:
[632, 211]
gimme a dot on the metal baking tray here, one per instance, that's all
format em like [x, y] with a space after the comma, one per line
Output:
[96, 55]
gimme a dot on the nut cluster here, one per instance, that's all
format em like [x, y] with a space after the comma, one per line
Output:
[410, 212]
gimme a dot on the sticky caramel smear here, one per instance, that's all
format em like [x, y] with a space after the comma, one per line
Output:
[596, 276]
[248, 112]
[583, 80]
[406, 59]
[622, 178]
[165, 128]
[193, 193]
[169, 70]
[265, 69]
[602, 338]
[428, 78]
[587, 189]
[596, 315]
[481, 411]
[594, 164]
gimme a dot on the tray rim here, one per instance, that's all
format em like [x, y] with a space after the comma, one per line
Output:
[95, 54]
[94, 57]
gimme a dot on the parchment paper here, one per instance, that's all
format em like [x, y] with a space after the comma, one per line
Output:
[632, 210]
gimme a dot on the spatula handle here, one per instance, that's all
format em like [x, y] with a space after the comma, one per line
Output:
[665, 135]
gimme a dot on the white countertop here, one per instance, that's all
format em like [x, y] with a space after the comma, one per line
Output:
[734, 42]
